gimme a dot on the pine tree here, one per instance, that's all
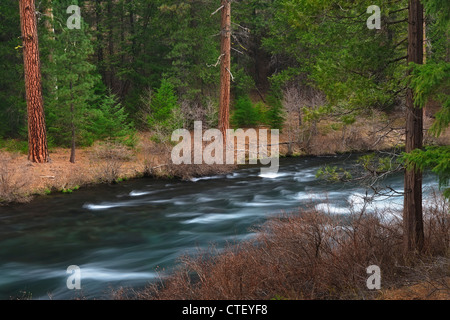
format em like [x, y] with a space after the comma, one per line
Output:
[70, 82]
[110, 122]
[163, 104]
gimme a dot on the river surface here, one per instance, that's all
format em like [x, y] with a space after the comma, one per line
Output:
[129, 234]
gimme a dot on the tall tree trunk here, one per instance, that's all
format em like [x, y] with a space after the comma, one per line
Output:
[37, 136]
[225, 68]
[109, 66]
[98, 23]
[72, 125]
[412, 212]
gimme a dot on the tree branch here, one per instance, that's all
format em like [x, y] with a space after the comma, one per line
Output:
[217, 62]
[398, 59]
[398, 21]
[221, 7]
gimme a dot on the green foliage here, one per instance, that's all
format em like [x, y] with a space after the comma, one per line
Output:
[163, 105]
[432, 81]
[331, 45]
[437, 159]
[245, 114]
[69, 80]
[12, 86]
[243, 83]
[336, 126]
[333, 174]
[348, 119]
[378, 165]
[275, 116]
[186, 29]
[261, 110]
[110, 122]
[14, 145]
[74, 94]
[165, 114]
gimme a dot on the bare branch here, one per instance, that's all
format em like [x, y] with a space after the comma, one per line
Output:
[395, 11]
[237, 50]
[221, 7]
[398, 59]
[232, 77]
[243, 28]
[398, 21]
[217, 62]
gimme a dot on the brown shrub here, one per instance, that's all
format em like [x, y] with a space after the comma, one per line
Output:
[437, 225]
[157, 161]
[109, 158]
[13, 180]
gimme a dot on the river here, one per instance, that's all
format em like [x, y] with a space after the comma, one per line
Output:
[131, 233]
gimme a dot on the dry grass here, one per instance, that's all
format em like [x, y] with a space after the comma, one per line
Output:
[108, 159]
[328, 136]
[311, 255]
[13, 179]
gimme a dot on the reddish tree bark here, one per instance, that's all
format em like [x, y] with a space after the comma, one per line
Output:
[72, 126]
[37, 136]
[225, 68]
[412, 211]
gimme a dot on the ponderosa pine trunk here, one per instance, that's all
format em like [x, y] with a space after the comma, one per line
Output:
[412, 212]
[37, 136]
[72, 126]
[225, 68]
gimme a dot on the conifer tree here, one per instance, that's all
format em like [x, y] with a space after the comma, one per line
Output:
[110, 122]
[70, 83]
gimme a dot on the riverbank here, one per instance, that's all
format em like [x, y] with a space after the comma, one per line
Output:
[309, 255]
[22, 180]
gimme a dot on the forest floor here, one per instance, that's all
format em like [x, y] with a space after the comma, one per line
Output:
[21, 180]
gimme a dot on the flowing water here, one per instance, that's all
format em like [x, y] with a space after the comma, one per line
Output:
[129, 234]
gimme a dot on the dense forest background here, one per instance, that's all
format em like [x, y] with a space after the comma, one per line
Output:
[140, 65]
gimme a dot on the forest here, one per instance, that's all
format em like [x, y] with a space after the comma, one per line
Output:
[92, 91]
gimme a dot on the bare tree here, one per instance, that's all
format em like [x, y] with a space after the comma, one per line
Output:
[292, 103]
